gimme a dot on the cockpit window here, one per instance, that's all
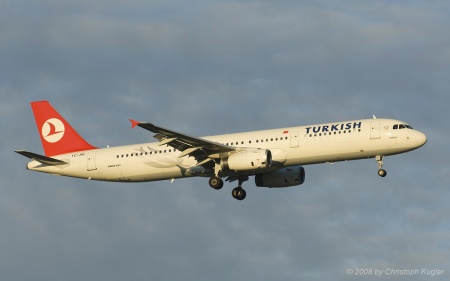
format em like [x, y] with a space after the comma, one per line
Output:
[402, 126]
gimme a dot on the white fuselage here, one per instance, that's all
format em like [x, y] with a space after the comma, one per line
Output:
[290, 147]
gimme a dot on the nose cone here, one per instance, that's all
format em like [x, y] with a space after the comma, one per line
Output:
[420, 139]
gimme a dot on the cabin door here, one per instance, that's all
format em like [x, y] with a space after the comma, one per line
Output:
[91, 164]
[375, 129]
[294, 139]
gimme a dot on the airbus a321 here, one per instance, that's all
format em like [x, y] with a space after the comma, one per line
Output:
[274, 157]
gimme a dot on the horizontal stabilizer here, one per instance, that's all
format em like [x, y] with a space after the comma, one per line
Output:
[41, 158]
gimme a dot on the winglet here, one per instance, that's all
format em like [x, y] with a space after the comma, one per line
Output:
[134, 123]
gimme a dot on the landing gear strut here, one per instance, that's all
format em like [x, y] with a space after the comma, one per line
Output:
[215, 181]
[238, 192]
[381, 172]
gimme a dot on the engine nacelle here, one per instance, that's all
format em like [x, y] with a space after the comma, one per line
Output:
[285, 177]
[248, 160]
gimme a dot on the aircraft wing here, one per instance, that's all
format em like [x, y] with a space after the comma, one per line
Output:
[199, 148]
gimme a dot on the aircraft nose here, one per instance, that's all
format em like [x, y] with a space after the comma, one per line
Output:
[421, 139]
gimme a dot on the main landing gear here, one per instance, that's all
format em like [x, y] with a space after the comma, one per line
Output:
[381, 172]
[216, 182]
[238, 193]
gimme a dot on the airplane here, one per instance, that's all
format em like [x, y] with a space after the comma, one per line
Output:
[274, 157]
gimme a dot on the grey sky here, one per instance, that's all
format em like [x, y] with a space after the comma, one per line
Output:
[211, 67]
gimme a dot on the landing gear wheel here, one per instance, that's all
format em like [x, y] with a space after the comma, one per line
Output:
[216, 182]
[239, 193]
[382, 173]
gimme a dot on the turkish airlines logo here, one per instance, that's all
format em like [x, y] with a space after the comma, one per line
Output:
[53, 130]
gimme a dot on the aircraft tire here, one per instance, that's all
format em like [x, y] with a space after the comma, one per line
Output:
[239, 193]
[216, 183]
[382, 173]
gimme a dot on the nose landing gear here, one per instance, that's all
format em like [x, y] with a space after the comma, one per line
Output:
[381, 172]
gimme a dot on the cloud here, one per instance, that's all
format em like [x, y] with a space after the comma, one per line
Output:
[208, 68]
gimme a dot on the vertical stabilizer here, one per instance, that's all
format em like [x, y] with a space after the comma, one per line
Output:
[57, 136]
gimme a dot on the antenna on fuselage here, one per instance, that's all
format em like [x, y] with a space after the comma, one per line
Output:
[374, 117]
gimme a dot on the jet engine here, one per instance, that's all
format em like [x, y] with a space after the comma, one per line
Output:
[248, 160]
[290, 176]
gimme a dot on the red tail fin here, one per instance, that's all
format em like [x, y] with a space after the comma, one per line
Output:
[57, 136]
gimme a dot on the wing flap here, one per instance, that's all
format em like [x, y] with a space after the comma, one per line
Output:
[166, 141]
[188, 151]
